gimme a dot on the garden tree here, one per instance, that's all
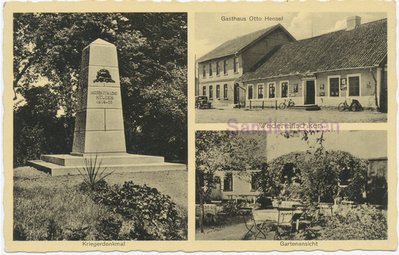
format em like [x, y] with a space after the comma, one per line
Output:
[152, 51]
[225, 151]
[319, 177]
[37, 130]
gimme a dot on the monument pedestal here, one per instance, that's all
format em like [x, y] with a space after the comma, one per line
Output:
[99, 128]
[67, 164]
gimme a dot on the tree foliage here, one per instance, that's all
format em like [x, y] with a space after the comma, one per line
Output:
[152, 53]
[227, 151]
[316, 176]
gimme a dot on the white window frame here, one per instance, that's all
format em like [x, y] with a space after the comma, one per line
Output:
[250, 85]
[268, 89]
[257, 90]
[360, 84]
[226, 95]
[329, 87]
[281, 88]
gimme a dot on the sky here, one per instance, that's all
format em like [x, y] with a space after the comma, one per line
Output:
[211, 31]
[363, 144]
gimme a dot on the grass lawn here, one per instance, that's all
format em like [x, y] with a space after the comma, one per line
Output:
[53, 208]
[171, 183]
[290, 115]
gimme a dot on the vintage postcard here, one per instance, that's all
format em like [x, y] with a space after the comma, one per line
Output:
[140, 126]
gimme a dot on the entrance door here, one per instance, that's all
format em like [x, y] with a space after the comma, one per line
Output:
[236, 93]
[310, 92]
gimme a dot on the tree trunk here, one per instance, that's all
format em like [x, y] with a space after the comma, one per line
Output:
[201, 198]
[202, 212]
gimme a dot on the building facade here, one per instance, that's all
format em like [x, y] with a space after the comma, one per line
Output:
[325, 70]
[219, 69]
[236, 185]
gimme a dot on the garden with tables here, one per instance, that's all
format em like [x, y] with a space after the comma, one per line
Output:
[323, 195]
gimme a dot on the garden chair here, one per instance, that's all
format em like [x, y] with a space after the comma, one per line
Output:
[258, 223]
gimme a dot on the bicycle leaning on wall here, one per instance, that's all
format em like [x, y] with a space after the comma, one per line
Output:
[355, 106]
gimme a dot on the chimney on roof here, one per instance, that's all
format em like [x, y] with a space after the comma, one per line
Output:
[352, 22]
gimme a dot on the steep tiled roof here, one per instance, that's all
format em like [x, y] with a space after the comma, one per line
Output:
[364, 46]
[238, 44]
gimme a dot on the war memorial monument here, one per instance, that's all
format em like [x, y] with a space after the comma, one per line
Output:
[99, 129]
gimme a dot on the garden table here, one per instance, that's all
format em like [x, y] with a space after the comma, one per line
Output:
[287, 216]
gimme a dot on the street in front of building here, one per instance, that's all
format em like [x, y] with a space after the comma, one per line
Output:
[229, 115]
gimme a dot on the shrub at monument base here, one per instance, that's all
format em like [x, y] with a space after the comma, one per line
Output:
[62, 209]
[154, 216]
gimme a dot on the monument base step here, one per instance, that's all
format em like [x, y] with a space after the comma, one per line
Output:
[105, 159]
[65, 164]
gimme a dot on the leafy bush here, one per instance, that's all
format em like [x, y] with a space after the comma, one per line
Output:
[361, 223]
[109, 228]
[147, 214]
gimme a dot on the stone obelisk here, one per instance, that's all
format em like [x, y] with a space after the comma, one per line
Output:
[99, 130]
[99, 121]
